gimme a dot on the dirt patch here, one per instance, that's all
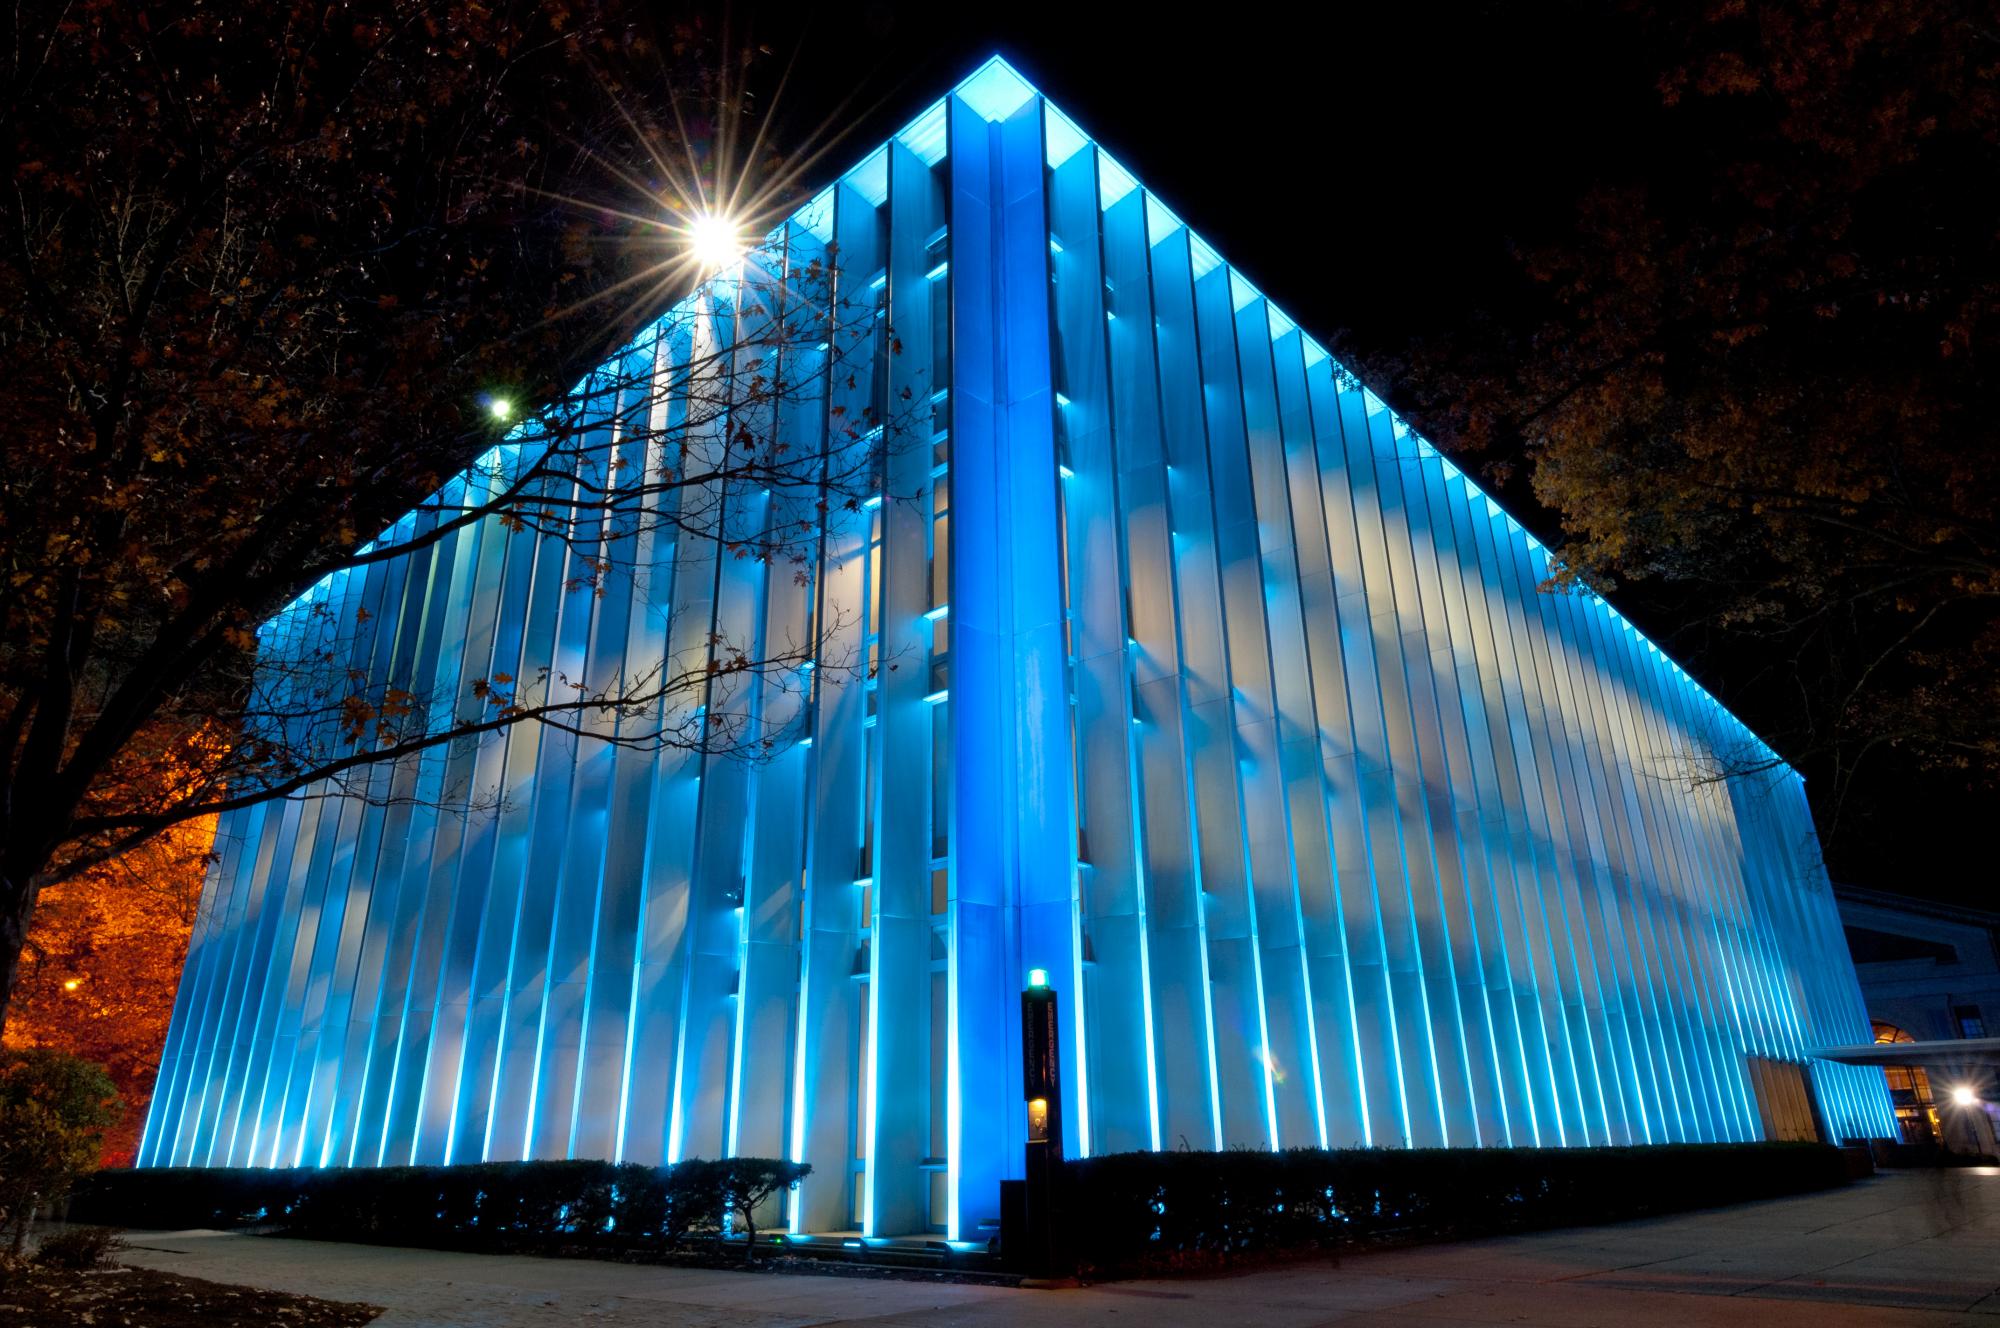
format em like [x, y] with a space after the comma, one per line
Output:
[116, 1297]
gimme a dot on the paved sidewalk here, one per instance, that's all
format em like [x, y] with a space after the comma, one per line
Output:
[1919, 1248]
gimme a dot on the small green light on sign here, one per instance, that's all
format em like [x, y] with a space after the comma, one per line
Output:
[1038, 977]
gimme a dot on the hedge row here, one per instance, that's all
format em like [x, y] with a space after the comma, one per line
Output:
[1157, 1212]
[1127, 1213]
[487, 1206]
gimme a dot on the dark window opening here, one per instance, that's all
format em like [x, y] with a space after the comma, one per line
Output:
[1883, 947]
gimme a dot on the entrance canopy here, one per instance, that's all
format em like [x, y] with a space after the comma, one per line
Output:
[1944, 1052]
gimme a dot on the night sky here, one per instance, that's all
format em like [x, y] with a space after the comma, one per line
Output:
[1366, 169]
[1372, 169]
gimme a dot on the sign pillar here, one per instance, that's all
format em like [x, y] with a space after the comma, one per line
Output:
[1041, 1087]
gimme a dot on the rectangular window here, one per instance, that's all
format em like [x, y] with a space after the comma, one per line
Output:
[1076, 788]
[872, 591]
[940, 1201]
[940, 994]
[864, 865]
[940, 336]
[941, 542]
[940, 780]
[861, 1116]
[1062, 544]
[1971, 1023]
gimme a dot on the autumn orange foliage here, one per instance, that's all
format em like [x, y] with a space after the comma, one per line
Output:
[102, 964]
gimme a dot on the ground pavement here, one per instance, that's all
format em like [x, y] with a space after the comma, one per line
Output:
[1919, 1248]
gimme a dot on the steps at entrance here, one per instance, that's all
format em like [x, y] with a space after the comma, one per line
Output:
[922, 1250]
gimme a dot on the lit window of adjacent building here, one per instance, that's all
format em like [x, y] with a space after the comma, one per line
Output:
[1910, 1092]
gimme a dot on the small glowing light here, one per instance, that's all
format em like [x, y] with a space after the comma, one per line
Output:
[716, 242]
[1963, 1096]
[71, 984]
[1038, 977]
[500, 408]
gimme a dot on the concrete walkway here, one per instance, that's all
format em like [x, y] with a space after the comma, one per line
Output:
[1903, 1248]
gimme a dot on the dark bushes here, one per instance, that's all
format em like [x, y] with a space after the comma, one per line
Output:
[78, 1248]
[1127, 1213]
[544, 1206]
[54, 1109]
[1133, 1212]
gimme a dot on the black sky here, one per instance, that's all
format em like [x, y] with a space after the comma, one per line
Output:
[1371, 168]
[1366, 163]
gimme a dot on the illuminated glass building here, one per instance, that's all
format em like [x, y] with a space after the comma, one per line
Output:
[1231, 703]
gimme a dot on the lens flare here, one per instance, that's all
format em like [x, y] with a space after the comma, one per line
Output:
[715, 241]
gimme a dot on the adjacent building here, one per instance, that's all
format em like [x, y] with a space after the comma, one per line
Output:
[1930, 975]
[1218, 695]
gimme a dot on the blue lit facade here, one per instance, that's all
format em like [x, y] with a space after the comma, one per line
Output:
[1224, 698]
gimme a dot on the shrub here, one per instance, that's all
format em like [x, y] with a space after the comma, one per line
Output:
[579, 1206]
[1149, 1211]
[54, 1109]
[731, 1191]
[78, 1248]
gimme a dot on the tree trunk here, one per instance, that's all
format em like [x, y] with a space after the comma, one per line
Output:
[17, 904]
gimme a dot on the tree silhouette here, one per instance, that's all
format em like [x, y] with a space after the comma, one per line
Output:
[1753, 380]
[280, 272]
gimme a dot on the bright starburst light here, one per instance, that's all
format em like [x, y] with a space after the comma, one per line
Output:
[715, 241]
[701, 203]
